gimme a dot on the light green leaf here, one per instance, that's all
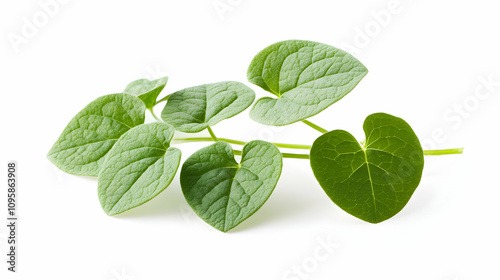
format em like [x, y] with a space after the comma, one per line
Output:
[139, 167]
[88, 137]
[194, 109]
[375, 181]
[147, 90]
[307, 77]
[225, 193]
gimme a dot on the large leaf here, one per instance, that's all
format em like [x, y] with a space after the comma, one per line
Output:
[139, 167]
[194, 109]
[225, 193]
[147, 90]
[306, 76]
[88, 137]
[372, 182]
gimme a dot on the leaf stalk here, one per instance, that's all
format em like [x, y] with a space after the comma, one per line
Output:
[212, 134]
[315, 126]
[154, 115]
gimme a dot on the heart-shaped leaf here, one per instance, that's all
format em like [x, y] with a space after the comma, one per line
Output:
[147, 90]
[225, 193]
[82, 146]
[194, 109]
[372, 182]
[307, 77]
[139, 167]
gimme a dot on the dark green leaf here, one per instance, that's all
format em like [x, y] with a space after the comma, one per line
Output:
[375, 181]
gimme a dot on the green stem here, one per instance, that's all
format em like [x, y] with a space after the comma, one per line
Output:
[237, 142]
[212, 134]
[318, 128]
[299, 156]
[285, 155]
[303, 147]
[444, 152]
[163, 99]
[154, 115]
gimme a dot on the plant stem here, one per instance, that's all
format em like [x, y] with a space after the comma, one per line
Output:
[444, 152]
[212, 134]
[154, 115]
[163, 99]
[318, 128]
[301, 147]
[305, 147]
[285, 155]
[237, 142]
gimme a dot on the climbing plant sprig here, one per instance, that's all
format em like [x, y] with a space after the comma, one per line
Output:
[134, 161]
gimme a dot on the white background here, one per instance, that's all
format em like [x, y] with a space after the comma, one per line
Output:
[426, 61]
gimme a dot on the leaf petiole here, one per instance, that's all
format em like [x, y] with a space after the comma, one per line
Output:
[212, 134]
[155, 116]
[163, 99]
[318, 128]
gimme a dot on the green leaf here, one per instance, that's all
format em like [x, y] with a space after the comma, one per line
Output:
[307, 77]
[147, 90]
[139, 167]
[194, 109]
[372, 182]
[225, 193]
[88, 137]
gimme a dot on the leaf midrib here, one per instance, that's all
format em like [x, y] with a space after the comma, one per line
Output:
[371, 181]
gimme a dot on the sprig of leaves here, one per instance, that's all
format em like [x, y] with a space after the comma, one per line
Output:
[135, 162]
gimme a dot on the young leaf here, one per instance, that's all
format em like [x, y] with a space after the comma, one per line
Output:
[147, 90]
[307, 77]
[372, 182]
[194, 109]
[88, 137]
[225, 193]
[139, 167]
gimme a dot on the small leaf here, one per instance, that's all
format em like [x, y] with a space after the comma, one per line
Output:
[194, 109]
[88, 137]
[225, 193]
[307, 77]
[147, 90]
[139, 167]
[375, 181]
